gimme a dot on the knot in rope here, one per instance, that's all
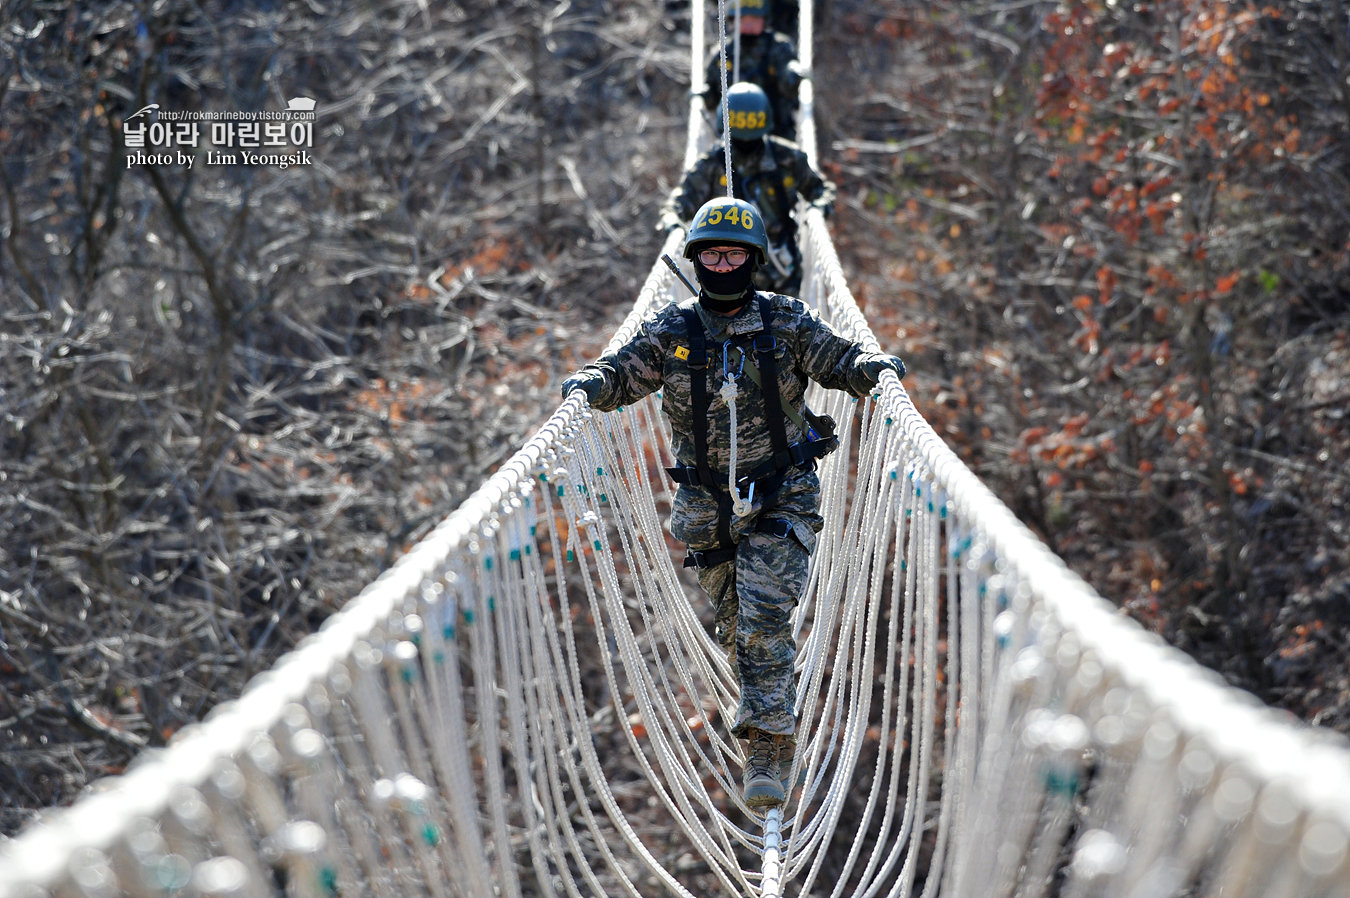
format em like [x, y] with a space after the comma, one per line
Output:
[739, 507]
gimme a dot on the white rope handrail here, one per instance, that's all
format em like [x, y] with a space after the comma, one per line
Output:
[973, 719]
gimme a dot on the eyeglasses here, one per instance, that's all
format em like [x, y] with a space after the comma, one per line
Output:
[734, 257]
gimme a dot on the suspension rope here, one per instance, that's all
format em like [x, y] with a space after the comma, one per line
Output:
[472, 724]
[722, 73]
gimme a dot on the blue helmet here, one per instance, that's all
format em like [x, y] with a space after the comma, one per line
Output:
[727, 220]
[748, 110]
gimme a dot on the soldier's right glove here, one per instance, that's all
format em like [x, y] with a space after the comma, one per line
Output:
[868, 369]
[588, 382]
[667, 223]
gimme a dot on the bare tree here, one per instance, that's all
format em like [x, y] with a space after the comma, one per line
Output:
[1112, 238]
[233, 393]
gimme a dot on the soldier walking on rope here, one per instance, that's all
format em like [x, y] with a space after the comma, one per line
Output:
[735, 354]
[769, 172]
[768, 59]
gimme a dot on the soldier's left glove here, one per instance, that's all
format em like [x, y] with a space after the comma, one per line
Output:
[588, 382]
[869, 368]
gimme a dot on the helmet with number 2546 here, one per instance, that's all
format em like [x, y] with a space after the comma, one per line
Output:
[727, 221]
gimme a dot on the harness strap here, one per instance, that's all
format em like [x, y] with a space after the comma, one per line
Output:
[765, 343]
[753, 373]
[698, 394]
[796, 456]
[767, 476]
[698, 397]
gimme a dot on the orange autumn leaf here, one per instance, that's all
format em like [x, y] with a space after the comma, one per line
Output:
[1227, 282]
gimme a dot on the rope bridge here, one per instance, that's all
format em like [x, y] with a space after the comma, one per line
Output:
[973, 719]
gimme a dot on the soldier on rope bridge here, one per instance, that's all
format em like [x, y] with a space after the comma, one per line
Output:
[769, 172]
[733, 365]
[768, 58]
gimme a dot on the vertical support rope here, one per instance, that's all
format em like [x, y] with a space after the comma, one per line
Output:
[722, 73]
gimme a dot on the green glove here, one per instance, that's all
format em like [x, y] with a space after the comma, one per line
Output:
[588, 382]
[869, 367]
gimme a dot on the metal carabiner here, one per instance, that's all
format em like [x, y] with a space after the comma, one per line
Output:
[726, 366]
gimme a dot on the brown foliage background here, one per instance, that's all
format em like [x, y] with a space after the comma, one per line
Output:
[1110, 238]
[233, 395]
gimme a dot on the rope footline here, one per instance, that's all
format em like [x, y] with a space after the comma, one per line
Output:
[973, 719]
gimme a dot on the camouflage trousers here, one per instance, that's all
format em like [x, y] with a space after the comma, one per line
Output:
[753, 594]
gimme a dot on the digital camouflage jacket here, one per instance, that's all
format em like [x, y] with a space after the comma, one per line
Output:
[652, 360]
[769, 60]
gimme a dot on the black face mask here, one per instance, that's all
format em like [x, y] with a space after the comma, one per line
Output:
[753, 147]
[724, 291]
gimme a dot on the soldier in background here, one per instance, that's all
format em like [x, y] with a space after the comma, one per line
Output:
[768, 59]
[769, 172]
[784, 16]
[750, 536]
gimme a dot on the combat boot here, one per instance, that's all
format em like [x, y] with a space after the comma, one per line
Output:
[763, 786]
[787, 751]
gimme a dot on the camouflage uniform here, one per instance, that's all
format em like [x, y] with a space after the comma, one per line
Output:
[771, 180]
[752, 594]
[784, 17]
[769, 60]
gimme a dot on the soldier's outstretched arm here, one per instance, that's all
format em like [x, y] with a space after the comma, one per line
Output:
[832, 360]
[697, 187]
[818, 190]
[790, 71]
[712, 93]
[670, 217]
[624, 376]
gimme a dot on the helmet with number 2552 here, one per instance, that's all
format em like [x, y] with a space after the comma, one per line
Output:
[748, 111]
[727, 221]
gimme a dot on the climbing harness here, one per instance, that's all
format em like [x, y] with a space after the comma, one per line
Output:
[768, 476]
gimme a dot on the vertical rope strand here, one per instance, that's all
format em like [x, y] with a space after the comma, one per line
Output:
[722, 73]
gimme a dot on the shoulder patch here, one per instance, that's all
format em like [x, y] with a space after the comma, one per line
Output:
[682, 352]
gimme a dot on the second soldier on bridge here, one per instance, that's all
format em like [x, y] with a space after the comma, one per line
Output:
[769, 172]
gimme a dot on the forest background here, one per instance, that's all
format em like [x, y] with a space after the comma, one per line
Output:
[1110, 240]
